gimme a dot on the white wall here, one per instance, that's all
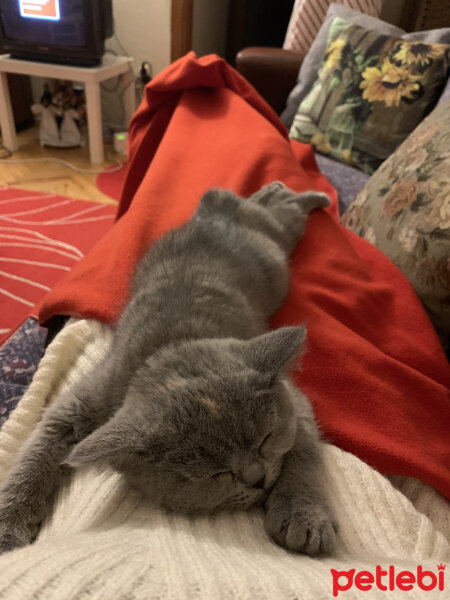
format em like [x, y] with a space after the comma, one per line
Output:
[143, 27]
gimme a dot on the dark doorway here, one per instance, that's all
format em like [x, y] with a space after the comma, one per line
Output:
[257, 23]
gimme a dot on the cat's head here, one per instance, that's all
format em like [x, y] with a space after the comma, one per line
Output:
[205, 424]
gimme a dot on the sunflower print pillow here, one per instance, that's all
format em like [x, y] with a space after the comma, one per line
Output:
[372, 90]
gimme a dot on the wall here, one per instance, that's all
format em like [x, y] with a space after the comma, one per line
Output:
[143, 27]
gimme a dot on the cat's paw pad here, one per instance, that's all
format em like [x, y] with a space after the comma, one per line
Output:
[276, 185]
[309, 529]
[12, 536]
[314, 199]
[270, 193]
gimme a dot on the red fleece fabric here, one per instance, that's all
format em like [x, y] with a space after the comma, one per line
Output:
[374, 370]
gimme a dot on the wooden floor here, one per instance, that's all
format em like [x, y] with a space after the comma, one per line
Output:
[51, 177]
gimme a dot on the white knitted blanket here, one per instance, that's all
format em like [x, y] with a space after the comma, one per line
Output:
[104, 542]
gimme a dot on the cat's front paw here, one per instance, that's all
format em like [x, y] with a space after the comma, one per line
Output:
[300, 526]
[14, 536]
[313, 199]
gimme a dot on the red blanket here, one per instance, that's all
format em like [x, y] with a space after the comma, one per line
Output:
[374, 370]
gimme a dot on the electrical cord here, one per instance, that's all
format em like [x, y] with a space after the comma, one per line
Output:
[121, 94]
[121, 46]
[144, 76]
[118, 164]
[117, 86]
[7, 151]
[117, 83]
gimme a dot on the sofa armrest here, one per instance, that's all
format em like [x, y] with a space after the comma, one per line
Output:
[272, 72]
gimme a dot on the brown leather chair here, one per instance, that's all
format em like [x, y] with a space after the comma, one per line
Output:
[272, 71]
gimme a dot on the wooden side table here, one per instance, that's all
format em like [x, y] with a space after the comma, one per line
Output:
[111, 66]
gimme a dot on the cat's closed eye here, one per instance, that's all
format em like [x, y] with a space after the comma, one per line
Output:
[264, 443]
[220, 474]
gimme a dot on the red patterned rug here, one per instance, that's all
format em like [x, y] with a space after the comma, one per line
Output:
[42, 236]
[111, 182]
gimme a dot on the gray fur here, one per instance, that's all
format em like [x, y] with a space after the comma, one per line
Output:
[193, 404]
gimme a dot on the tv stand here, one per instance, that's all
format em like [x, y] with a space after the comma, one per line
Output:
[111, 66]
[57, 60]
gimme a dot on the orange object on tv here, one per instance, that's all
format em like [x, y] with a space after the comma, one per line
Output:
[40, 9]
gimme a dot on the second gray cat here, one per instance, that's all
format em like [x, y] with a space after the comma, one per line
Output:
[194, 404]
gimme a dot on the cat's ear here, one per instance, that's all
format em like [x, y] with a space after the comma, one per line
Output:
[113, 444]
[274, 352]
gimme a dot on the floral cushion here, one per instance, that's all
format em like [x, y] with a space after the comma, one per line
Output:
[371, 91]
[404, 210]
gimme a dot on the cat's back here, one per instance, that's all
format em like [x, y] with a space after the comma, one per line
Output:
[226, 240]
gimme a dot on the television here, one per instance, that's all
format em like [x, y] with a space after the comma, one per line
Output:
[59, 31]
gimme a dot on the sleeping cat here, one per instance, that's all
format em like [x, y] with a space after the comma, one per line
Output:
[193, 404]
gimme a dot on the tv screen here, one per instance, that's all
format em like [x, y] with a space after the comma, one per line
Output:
[49, 22]
[70, 31]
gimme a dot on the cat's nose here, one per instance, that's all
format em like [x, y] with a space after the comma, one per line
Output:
[253, 474]
[260, 484]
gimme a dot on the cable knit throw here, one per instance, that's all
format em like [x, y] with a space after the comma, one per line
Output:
[104, 542]
[308, 15]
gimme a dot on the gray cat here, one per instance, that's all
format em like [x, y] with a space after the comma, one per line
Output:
[193, 404]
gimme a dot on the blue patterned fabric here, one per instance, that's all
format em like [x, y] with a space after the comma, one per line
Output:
[19, 359]
[347, 180]
[446, 93]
